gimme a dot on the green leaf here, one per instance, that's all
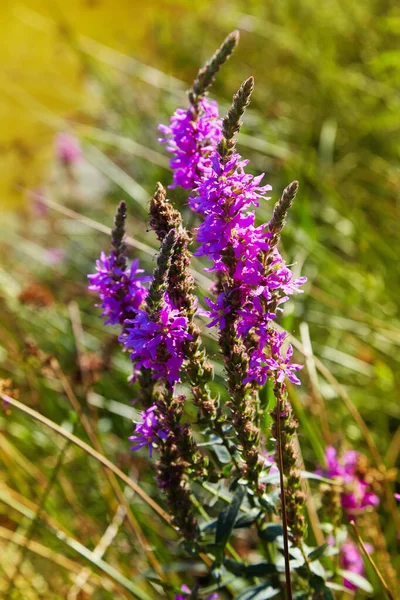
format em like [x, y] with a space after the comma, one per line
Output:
[222, 454]
[226, 521]
[270, 532]
[226, 470]
[357, 580]
[247, 519]
[260, 592]
[318, 552]
[317, 569]
[261, 569]
[314, 476]
[267, 503]
[237, 568]
[317, 583]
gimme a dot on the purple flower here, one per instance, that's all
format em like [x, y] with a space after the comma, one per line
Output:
[149, 431]
[282, 278]
[192, 138]
[223, 198]
[351, 560]
[67, 149]
[263, 365]
[260, 281]
[121, 292]
[356, 495]
[220, 309]
[283, 367]
[158, 345]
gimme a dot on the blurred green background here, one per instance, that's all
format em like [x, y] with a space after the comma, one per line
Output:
[325, 111]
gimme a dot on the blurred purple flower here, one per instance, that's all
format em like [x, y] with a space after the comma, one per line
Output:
[351, 560]
[356, 495]
[67, 149]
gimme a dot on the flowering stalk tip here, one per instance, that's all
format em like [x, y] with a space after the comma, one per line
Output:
[206, 74]
[118, 235]
[231, 124]
[282, 208]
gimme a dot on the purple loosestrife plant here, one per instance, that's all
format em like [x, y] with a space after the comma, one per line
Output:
[157, 346]
[119, 287]
[209, 448]
[356, 499]
[356, 494]
[194, 133]
[192, 136]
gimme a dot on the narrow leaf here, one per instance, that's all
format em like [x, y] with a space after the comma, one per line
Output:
[260, 592]
[357, 580]
[318, 552]
[227, 518]
[270, 532]
[247, 519]
[261, 569]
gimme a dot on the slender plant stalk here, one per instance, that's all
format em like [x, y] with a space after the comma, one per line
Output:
[283, 499]
[371, 562]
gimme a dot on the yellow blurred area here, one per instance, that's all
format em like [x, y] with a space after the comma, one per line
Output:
[43, 75]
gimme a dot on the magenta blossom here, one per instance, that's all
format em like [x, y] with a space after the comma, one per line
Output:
[220, 309]
[149, 431]
[121, 291]
[158, 345]
[356, 495]
[284, 368]
[351, 560]
[263, 365]
[67, 149]
[191, 138]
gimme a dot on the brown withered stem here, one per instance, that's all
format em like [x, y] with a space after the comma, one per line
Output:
[232, 123]
[206, 74]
